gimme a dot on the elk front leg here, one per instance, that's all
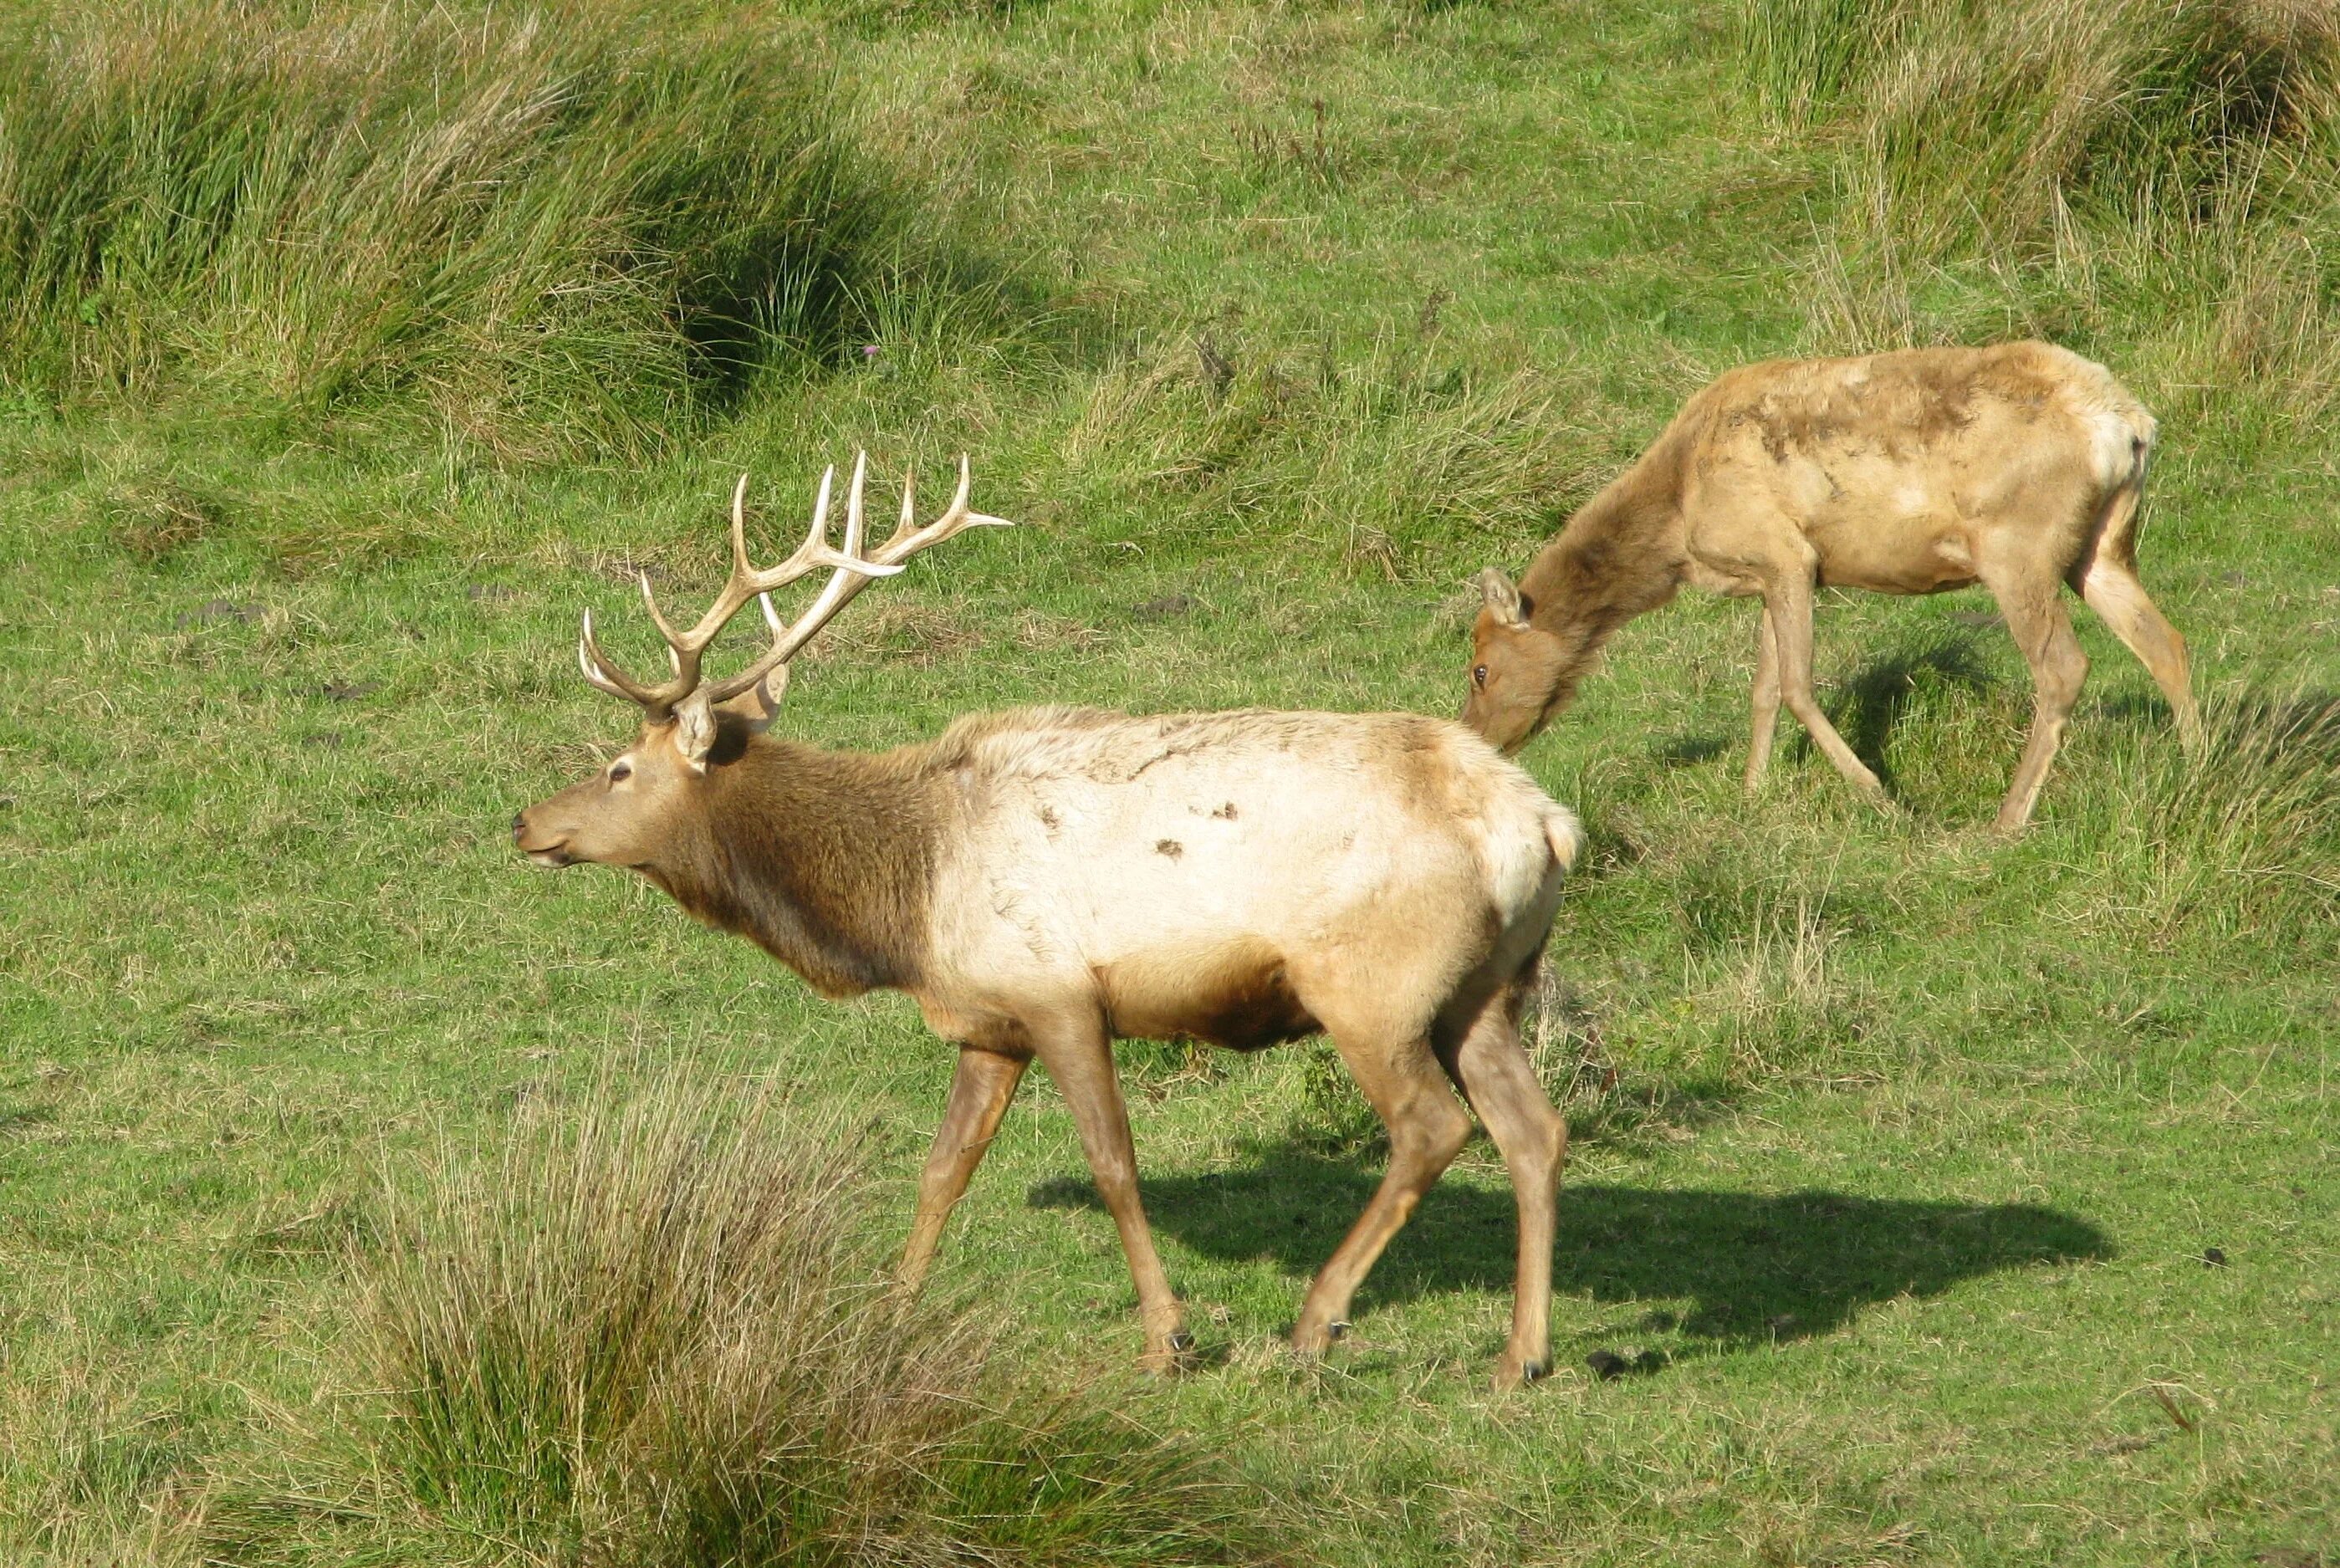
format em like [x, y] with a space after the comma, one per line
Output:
[1491, 1067]
[1767, 702]
[980, 1091]
[2036, 615]
[1426, 1130]
[1787, 606]
[1079, 1057]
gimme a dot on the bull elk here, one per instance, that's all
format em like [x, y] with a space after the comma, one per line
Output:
[2019, 467]
[1044, 882]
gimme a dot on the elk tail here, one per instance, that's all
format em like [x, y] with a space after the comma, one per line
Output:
[2131, 440]
[1565, 835]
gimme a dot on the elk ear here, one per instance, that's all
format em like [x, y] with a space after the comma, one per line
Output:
[760, 704]
[694, 731]
[1503, 598]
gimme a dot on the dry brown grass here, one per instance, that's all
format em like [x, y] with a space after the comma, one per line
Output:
[2161, 173]
[653, 1332]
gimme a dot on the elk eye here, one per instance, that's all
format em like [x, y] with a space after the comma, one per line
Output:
[620, 770]
[1479, 676]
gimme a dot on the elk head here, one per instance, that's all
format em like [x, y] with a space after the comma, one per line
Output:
[1519, 674]
[629, 813]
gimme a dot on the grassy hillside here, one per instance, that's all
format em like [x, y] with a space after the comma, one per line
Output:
[1902, 1154]
[541, 232]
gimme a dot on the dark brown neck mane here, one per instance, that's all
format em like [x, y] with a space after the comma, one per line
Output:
[825, 860]
[1620, 556]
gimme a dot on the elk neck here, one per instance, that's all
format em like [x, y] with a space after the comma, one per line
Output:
[825, 860]
[1623, 553]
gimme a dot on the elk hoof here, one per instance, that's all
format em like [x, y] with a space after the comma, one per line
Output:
[1510, 1375]
[1176, 1355]
[1337, 1331]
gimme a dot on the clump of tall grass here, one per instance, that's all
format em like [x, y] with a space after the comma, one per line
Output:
[541, 230]
[2134, 168]
[2242, 840]
[653, 1333]
[1388, 460]
[1801, 55]
[1991, 122]
[2125, 87]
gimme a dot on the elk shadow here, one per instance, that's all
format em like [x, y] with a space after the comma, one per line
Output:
[2140, 710]
[1879, 695]
[1687, 750]
[1752, 1267]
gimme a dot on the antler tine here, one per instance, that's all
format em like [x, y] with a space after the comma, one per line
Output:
[816, 536]
[853, 513]
[853, 571]
[907, 541]
[604, 674]
[658, 618]
[739, 564]
[819, 531]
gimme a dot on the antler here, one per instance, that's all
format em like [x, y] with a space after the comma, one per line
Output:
[850, 572]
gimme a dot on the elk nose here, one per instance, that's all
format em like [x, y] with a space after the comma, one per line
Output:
[520, 825]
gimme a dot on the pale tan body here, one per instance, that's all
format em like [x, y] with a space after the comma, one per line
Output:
[1043, 882]
[1240, 877]
[2020, 467]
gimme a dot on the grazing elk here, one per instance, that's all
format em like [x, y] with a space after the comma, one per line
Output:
[1045, 881]
[2019, 467]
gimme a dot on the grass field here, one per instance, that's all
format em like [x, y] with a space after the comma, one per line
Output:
[1947, 1200]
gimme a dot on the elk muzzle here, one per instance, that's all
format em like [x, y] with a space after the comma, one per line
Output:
[544, 848]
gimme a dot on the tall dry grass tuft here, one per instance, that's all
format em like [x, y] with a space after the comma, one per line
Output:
[1802, 55]
[2243, 840]
[550, 229]
[653, 1333]
[2062, 90]
[1985, 123]
[2159, 170]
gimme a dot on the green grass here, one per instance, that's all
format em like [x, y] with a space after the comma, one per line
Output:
[2162, 175]
[540, 231]
[653, 1330]
[1897, 1147]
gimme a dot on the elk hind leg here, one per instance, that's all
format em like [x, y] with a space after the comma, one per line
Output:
[1491, 1067]
[1079, 1057]
[2036, 616]
[981, 1088]
[2120, 599]
[1400, 1077]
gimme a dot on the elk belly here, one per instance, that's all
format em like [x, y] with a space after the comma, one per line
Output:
[1897, 548]
[1237, 995]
